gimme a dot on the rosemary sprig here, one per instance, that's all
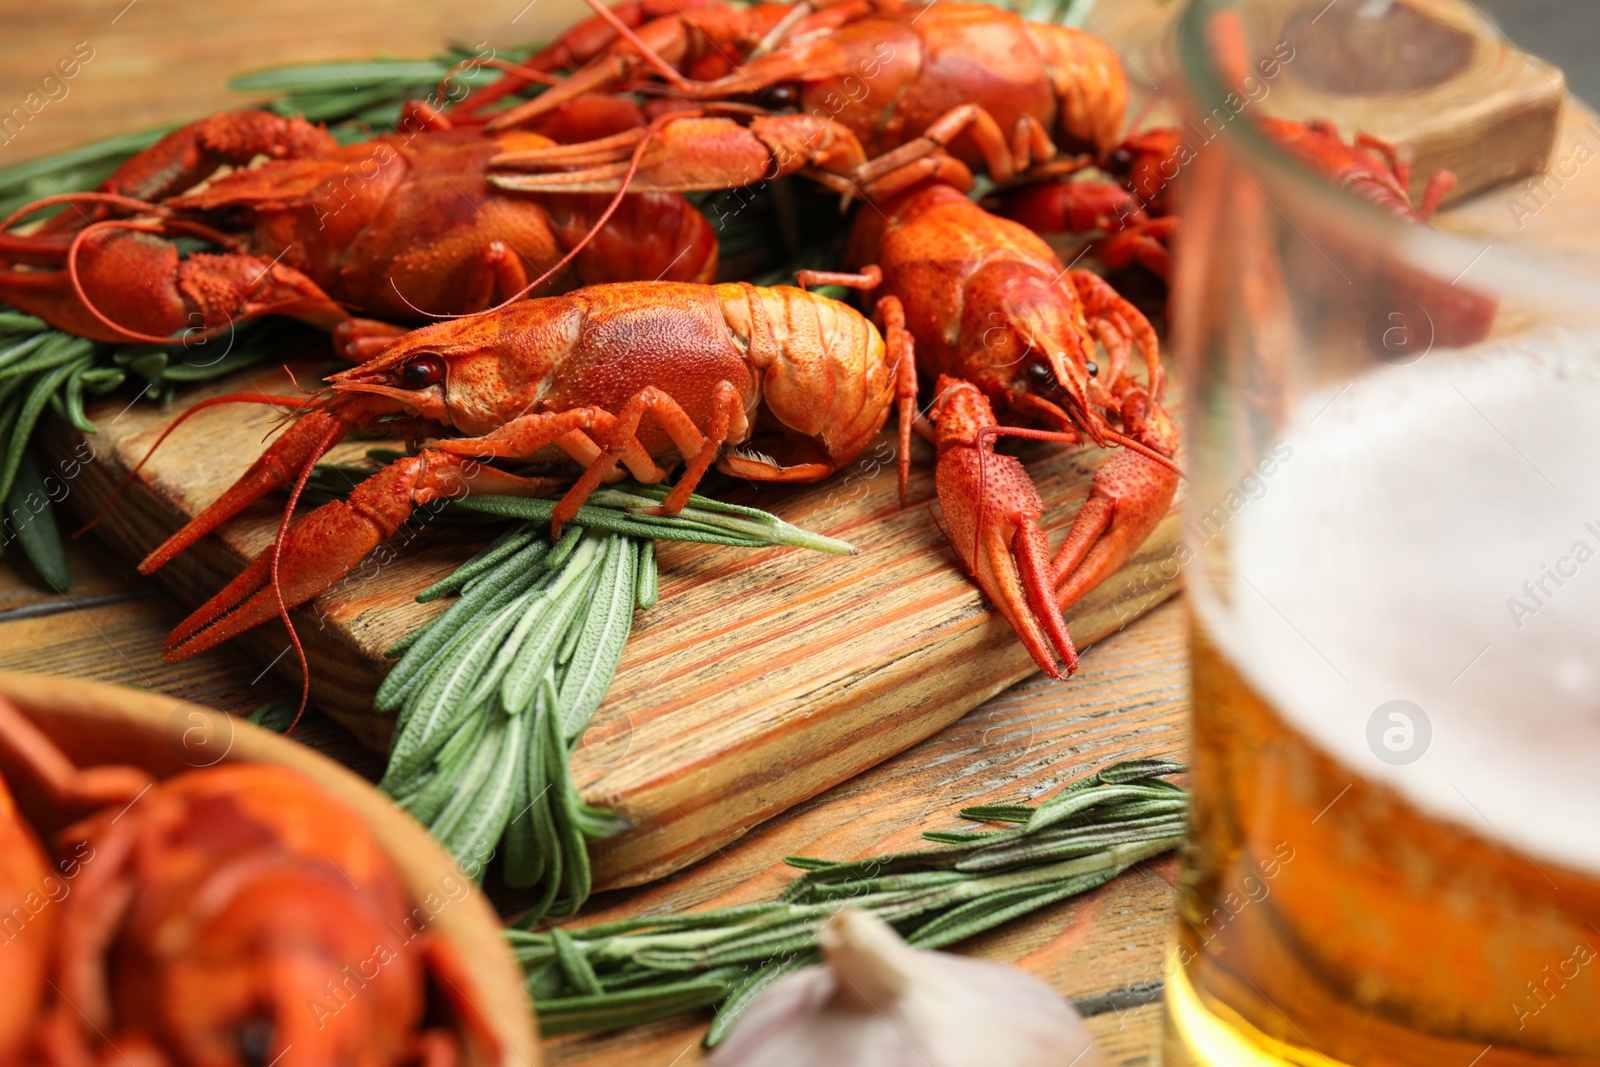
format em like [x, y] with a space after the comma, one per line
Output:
[621, 973]
[494, 694]
[355, 98]
[72, 170]
[625, 510]
[42, 367]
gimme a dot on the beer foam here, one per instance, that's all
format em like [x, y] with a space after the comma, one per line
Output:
[1434, 537]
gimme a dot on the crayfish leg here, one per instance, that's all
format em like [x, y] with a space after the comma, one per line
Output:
[727, 415]
[273, 469]
[992, 511]
[325, 545]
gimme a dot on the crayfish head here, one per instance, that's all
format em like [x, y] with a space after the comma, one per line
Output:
[1027, 346]
[1150, 163]
[473, 374]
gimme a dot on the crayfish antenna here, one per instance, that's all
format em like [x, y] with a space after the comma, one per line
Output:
[330, 438]
[127, 203]
[518, 75]
[231, 398]
[1144, 450]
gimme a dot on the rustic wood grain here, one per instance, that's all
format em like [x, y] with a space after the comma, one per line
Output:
[186, 55]
[109, 628]
[1129, 699]
[164, 61]
[1555, 212]
[761, 678]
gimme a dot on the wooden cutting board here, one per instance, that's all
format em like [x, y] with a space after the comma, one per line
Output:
[761, 678]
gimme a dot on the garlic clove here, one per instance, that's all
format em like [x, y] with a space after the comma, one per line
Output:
[878, 1002]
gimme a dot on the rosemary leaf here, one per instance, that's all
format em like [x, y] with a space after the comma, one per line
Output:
[524, 852]
[31, 514]
[506, 545]
[472, 837]
[600, 639]
[580, 976]
[1060, 808]
[935, 896]
[581, 1014]
[740, 996]
[17, 322]
[648, 591]
[703, 520]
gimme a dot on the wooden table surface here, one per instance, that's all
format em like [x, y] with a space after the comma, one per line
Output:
[1129, 699]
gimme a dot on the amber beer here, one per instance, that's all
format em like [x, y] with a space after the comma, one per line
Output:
[1395, 847]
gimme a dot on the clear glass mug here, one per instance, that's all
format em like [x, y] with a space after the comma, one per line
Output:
[1393, 566]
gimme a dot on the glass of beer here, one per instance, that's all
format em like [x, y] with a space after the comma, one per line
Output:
[1393, 567]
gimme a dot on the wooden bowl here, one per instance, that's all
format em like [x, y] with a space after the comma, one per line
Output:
[95, 723]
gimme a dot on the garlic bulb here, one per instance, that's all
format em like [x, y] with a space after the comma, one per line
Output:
[878, 1002]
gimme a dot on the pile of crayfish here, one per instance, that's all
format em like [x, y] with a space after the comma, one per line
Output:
[641, 363]
[221, 917]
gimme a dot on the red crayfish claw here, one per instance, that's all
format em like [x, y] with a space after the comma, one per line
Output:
[991, 512]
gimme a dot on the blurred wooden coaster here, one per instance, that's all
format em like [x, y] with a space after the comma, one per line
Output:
[1431, 74]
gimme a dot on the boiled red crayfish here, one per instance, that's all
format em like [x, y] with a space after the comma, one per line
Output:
[869, 98]
[1003, 323]
[399, 227]
[224, 916]
[27, 928]
[1139, 218]
[771, 384]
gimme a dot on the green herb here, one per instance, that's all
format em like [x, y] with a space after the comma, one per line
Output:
[702, 519]
[276, 715]
[355, 97]
[71, 171]
[495, 693]
[622, 973]
[1073, 13]
[42, 367]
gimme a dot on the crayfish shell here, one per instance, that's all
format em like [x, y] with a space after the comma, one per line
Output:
[230, 915]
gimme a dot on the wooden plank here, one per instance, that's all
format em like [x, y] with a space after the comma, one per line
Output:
[96, 577]
[107, 639]
[1130, 698]
[163, 61]
[762, 677]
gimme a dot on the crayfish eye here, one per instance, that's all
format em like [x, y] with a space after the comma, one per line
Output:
[777, 97]
[424, 370]
[255, 1037]
[1091, 368]
[1039, 373]
[234, 217]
